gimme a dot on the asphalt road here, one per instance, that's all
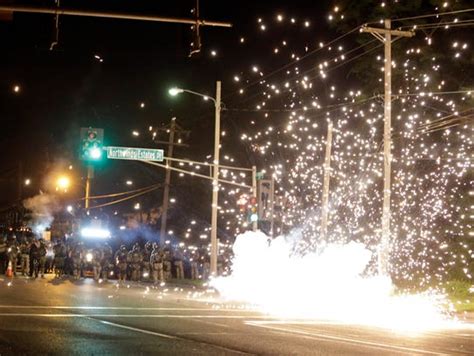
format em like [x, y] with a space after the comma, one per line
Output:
[86, 318]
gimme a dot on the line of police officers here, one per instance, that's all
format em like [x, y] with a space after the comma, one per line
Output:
[31, 254]
[72, 258]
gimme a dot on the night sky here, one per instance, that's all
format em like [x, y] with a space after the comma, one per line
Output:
[68, 88]
[102, 71]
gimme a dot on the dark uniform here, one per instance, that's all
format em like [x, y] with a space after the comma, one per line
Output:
[25, 258]
[178, 263]
[156, 263]
[136, 259]
[121, 262]
[106, 261]
[194, 262]
[59, 258]
[167, 263]
[96, 262]
[12, 252]
[76, 256]
[146, 261]
[42, 258]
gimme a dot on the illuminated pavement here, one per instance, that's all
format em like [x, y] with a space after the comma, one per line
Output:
[44, 316]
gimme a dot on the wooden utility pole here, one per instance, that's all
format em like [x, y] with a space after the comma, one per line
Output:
[385, 36]
[173, 129]
[327, 176]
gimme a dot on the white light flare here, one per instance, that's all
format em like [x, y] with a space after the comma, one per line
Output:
[328, 285]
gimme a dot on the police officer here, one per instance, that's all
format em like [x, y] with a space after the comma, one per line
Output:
[205, 263]
[146, 261]
[59, 258]
[12, 252]
[121, 261]
[106, 261]
[156, 263]
[136, 260]
[25, 257]
[76, 256]
[178, 263]
[42, 257]
[3, 255]
[194, 262]
[96, 262]
[167, 263]
[34, 258]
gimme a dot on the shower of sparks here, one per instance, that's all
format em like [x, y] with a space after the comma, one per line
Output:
[288, 112]
[284, 106]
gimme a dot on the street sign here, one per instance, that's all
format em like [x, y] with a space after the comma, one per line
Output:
[134, 153]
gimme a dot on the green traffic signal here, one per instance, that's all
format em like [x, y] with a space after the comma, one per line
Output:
[92, 144]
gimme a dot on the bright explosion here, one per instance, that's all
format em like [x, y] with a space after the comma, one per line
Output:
[328, 285]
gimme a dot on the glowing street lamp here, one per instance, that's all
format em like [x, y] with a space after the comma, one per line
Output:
[175, 91]
[27, 181]
[63, 182]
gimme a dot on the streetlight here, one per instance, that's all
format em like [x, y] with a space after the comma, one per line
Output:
[215, 183]
[63, 182]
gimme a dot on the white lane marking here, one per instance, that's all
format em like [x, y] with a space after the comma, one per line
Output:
[177, 316]
[148, 332]
[143, 331]
[318, 336]
[119, 308]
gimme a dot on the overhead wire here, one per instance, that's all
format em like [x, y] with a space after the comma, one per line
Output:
[121, 193]
[126, 198]
[434, 15]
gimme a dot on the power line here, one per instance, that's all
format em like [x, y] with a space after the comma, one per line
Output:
[434, 15]
[126, 198]
[122, 193]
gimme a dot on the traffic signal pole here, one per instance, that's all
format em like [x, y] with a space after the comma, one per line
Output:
[111, 15]
[215, 180]
[90, 175]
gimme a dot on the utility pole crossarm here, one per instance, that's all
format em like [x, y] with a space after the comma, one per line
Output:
[378, 32]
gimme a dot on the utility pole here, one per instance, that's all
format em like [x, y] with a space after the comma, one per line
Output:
[385, 36]
[172, 129]
[254, 193]
[215, 181]
[272, 205]
[166, 192]
[327, 176]
[90, 175]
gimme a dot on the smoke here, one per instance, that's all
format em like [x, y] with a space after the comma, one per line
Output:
[329, 284]
[42, 208]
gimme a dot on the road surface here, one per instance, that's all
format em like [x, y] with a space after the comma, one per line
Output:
[47, 316]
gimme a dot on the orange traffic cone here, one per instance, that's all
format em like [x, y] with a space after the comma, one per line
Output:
[9, 272]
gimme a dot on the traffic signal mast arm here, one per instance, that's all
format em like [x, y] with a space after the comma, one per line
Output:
[111, 15]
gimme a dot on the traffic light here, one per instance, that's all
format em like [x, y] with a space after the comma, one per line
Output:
[253, 211]
[92, 144]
